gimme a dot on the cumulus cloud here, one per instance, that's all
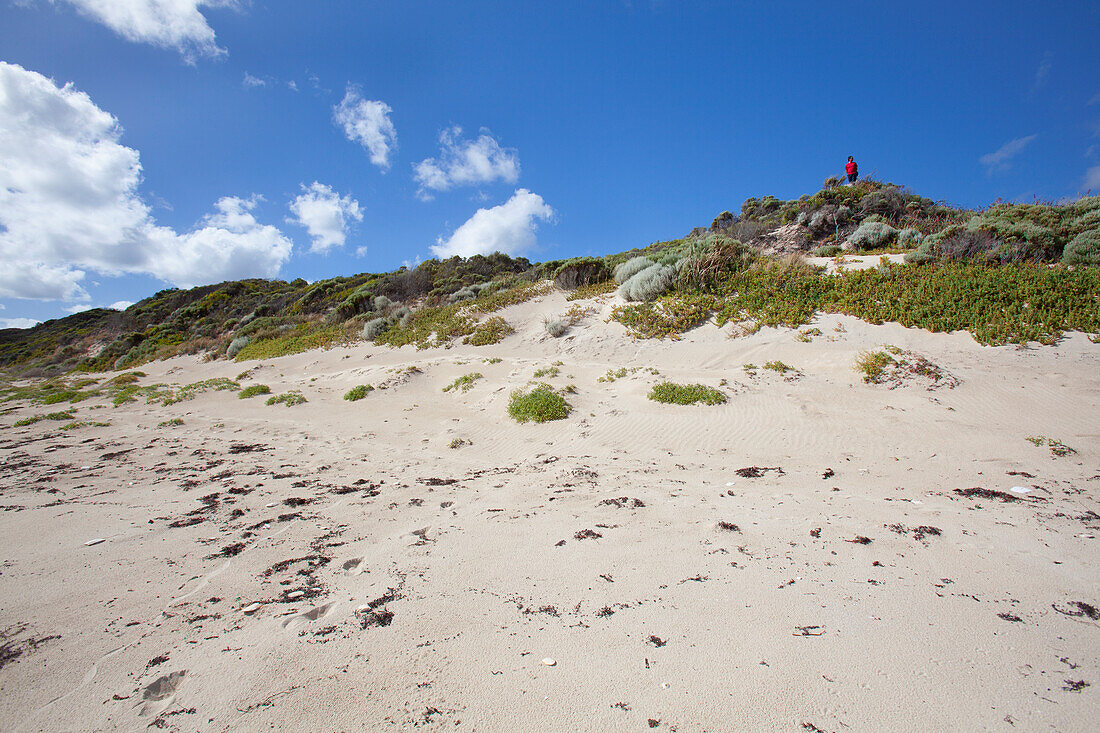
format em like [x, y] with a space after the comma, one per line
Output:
[120, 305]
[69, 204]
[508, 228]
[367, 122]
[1001, 159]
[251, 82]
[18, 322]
[177, 24]
[465, 163]
[325, 215]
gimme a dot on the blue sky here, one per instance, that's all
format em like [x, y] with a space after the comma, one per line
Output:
[230, 139]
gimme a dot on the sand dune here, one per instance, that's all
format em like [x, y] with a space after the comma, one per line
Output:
[809, 555]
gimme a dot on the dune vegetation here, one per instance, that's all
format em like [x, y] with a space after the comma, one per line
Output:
[1009, 273]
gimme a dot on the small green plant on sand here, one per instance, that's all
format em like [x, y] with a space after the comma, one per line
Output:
[547, 372]
[686, 394]
[492, 331]
[464, 383]
[254, 389]
[358, 392]
[612, 375]
[541, 404]
[85, 424]
[458, 443]
[170, 423]
[806, 335]
[873, 365]
[290, 399]
[37, 418]
[1057, 448]
[780, 367]
[750, 369]
[493, 360]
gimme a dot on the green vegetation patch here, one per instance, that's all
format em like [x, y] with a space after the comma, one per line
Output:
[540, 404]
[38, 418]
[1058, 449]
[357, 393]
[686, 394]
[254, 389]
[464, 383]
[872, 364]
[492, 331]
[547, 372]
[290, 399]
[303, 337]
[174, 422]
[593, 290]
[85, 424]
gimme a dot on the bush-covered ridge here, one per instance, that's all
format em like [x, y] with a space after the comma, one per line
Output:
[1007, 273]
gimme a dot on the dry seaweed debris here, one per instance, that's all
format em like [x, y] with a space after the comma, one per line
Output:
[986, 494]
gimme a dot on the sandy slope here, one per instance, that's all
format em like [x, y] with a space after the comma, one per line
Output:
[663, 620]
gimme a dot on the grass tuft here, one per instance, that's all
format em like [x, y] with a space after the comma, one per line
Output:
[290, 399]
[464, 383]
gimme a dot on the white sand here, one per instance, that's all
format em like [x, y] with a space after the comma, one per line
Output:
[764, 628]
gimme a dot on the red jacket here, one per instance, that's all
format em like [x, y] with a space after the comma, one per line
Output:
[850, 168]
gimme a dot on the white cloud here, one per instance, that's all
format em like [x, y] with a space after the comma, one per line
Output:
[1001, 158]
[1092, 179]
[325, 215]
[177, 24]
[292, 85]
[18, 322]
[368, 123]
[251, 82]
[360, 252]
[120, 305]
[69, 204]
[508, 228]
[465, 163]
[1043, 72]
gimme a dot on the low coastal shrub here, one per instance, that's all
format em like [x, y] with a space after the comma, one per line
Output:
[828, 250]
[236, 345]
[540, 404]
[872, 235]
[1084, 249]
[254, 389]
[38, 418]
[649, 283]
[491, 331]
[358, 392]
[686, 394]
[872, 364]
[303, 337]
[630, 268]
[290, 399]
[464, 383]
[593, 290]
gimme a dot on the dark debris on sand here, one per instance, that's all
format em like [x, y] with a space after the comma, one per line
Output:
[587, 534]
[757, 471]
[623, 501]
[986, 494]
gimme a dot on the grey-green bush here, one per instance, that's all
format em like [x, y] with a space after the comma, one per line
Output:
[828, 250]
[1084, 249]
[909, 237]
[236, 345]
[381, 302]
[630, 268]
[649, 283]
[872, 235]
[373, 328]
[556, 328]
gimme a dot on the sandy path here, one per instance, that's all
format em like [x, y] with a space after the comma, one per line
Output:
[469, 565]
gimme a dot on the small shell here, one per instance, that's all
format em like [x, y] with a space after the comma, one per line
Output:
[549, 661]
[96, 541]
[252, 608]
[294, 595]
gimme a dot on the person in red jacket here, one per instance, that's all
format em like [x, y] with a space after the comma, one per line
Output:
[852, 170]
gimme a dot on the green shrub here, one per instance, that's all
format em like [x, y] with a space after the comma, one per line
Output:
[541, 404]
[290, 399]
[491, 331]
[828, 250]
[252, 390]
[872, 364]
[375, 327]
[780, 367]
[358, 393]
[464, 383]
[170, 423]
[872, 235]
[686, 394]
[1084, 249]
[303, 337]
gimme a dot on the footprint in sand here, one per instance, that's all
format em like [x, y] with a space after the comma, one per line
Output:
[354, 566]
[313, 614]
[159, 695]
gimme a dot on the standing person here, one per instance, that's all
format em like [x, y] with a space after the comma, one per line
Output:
[852, 170]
